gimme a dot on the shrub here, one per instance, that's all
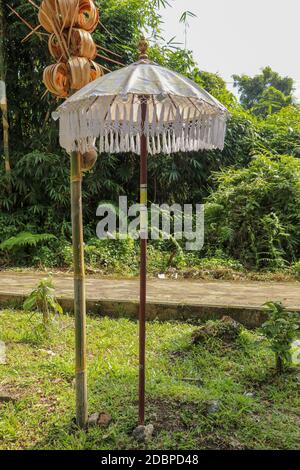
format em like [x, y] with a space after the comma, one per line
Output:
[296, 268]
[253, 215]
[24, 239]
[113, 255]
[281, 329]
[21, 247]
[42, 299]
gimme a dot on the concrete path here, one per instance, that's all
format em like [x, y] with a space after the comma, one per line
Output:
[167, 299]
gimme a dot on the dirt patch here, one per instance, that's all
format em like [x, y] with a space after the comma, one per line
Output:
[10, 393]
[226, 329]
[175, 416]
[216, 442]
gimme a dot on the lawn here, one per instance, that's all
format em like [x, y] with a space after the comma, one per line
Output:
[213, 395]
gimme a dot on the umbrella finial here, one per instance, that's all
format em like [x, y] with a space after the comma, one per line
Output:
[143, 47]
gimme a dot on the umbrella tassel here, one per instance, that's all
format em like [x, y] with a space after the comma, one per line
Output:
[203, 129]
[174, 143]
[117, 142]
[158, 147]
[132, 144]
[153, 145]
[122, 142]
[169, 141]
[111, 149]
[149, 148]
[154, 119]
[164, 141]
[126, 143]
[138, 144]
[101, 144]
[106, 142]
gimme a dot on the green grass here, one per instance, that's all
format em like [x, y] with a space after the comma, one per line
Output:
[181, 379]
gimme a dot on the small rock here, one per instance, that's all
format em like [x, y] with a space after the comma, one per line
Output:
[93, 419]
[249, 394]
[5, 398]
[104, 419]
[73, 426]
[212, 406]
[143, 433]
[99, 419]
[2, 353]
[56, 381]
[47, 351]
[197, 381]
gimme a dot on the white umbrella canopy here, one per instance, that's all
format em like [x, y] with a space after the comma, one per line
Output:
[180, 115]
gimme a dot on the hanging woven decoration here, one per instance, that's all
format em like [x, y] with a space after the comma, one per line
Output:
[55, 48]
[82, 72]
[88, 16]
[55, 15]
[70, 23]
[56, 79]
[82, 44]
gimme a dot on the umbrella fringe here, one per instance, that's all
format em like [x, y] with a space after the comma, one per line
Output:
[119, 132]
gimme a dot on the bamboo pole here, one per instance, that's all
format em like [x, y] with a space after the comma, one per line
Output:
[79, 291]
[3, 98]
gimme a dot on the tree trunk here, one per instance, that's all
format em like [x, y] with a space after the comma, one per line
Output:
[3, 99]
[279, 364]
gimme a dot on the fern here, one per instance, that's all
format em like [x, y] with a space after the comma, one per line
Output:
[24, 239]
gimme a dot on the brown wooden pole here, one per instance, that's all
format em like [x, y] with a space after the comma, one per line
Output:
[79, 291]
[143, 266]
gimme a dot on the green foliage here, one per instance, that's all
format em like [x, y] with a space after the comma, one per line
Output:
[281, 329]
[265, 93]
[271, 101]
[296, 268]
[21, 248]
[280, 131]
[253, 215]
[42, 299]
[25, 239]
[185, 15]
[119, 256]
[216, 86]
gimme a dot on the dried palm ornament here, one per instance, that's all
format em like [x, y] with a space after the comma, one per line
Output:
[70, 23]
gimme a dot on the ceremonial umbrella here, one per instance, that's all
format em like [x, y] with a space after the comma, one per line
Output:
[145, 109]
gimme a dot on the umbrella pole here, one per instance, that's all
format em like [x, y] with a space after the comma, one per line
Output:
[143, 267]
[79, 291]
